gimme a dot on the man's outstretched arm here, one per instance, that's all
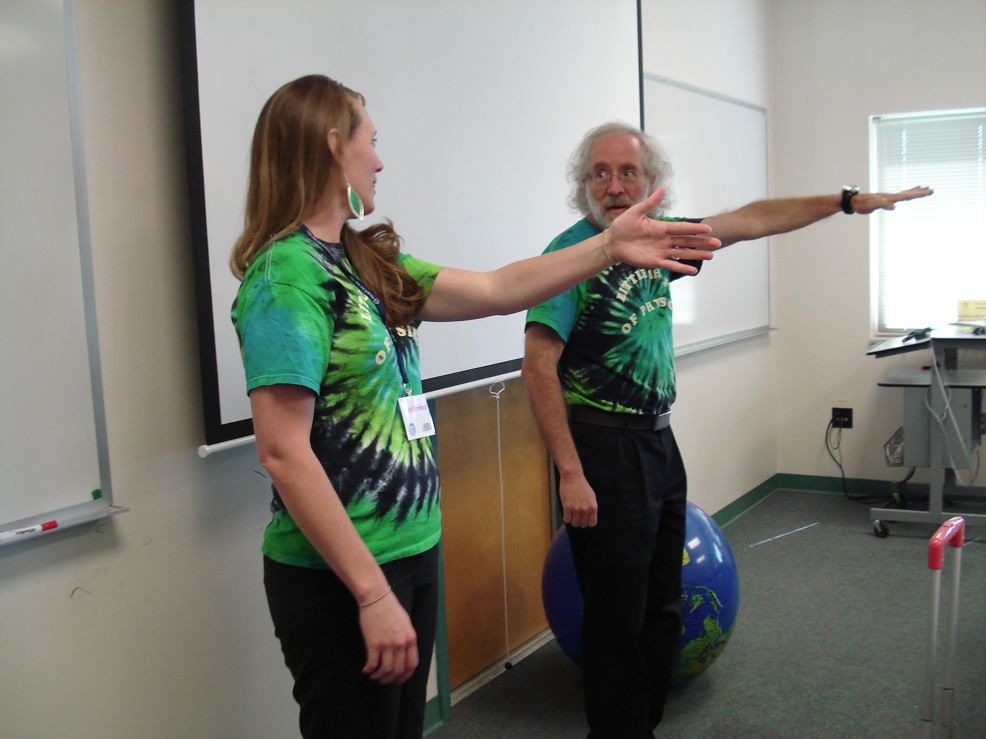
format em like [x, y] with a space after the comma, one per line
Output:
[781, 215]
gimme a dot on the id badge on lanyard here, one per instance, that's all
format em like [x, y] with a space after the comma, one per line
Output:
[417, 416]
[414, 408]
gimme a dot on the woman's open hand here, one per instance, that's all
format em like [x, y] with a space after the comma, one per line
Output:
[642, 241]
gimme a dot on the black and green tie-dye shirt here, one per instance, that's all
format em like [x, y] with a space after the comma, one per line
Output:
[302, 321]
[619, 348]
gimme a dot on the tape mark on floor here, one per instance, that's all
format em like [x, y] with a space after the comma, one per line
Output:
[781, 536]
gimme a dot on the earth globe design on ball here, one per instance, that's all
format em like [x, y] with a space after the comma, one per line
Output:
[709, 595]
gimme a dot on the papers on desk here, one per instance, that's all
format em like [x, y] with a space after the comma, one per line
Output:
[954, 333]
[976, 328]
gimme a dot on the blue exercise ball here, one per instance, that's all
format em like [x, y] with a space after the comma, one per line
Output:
[709, 595]
[561, 597]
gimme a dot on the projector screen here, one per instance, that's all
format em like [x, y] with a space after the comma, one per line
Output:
[478, 106]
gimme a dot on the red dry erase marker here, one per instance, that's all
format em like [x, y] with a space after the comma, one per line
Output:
[28, 530]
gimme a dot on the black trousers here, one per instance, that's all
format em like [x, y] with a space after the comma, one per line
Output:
[316, 620]
[629, 572]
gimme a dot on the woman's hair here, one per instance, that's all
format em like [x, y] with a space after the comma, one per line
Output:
[657, 168]
[290, 168]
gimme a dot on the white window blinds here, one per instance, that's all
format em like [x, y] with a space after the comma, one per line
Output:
[928, 254]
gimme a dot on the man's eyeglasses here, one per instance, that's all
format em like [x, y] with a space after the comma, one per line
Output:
[602, 177]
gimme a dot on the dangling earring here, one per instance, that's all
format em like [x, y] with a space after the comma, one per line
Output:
[355, 203]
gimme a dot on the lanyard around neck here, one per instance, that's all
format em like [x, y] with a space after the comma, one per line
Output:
[381, 308]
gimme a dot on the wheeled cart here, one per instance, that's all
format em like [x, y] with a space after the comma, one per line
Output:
[942, 412]
[951, 532]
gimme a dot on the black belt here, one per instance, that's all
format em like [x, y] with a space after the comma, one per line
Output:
[633, 421]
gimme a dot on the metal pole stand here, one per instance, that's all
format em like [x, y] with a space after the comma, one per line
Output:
[951, 532]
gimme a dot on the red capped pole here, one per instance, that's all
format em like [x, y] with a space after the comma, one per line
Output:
[951, 532]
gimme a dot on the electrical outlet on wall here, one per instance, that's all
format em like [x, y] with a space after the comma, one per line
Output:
[842, 418]
[842, 413]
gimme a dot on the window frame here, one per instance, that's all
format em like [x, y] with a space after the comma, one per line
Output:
[878, 182]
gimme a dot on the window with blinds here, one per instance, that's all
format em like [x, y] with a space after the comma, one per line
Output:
[928, 254]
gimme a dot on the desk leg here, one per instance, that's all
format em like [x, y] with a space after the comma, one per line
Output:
[937, 453]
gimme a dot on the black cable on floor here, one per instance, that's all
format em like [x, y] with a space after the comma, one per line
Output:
[837, 447]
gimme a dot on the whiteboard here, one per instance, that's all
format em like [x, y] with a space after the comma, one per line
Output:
[718, 149]
[53, 451]
[478, 106]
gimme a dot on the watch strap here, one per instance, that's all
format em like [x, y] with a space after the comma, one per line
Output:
[847, 192]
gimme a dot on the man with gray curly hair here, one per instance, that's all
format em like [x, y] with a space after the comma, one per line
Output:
[654, 165]
[599, 370]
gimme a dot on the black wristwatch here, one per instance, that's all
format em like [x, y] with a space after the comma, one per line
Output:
[847, 192]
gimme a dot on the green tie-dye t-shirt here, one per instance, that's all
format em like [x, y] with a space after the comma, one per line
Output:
[619, 353]
[301, 320]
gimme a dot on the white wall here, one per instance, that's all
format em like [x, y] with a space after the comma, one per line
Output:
[832, 65]
[727, 403]
[153, 623]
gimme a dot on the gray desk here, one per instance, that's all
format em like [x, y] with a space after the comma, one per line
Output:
[942, 417]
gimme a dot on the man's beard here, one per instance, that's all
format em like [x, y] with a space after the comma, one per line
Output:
[598, 209]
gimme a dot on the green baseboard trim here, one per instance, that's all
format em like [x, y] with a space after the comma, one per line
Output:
[744, 503]
[435, 716]
[820, 484]
[806, 483]
[438, 710]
